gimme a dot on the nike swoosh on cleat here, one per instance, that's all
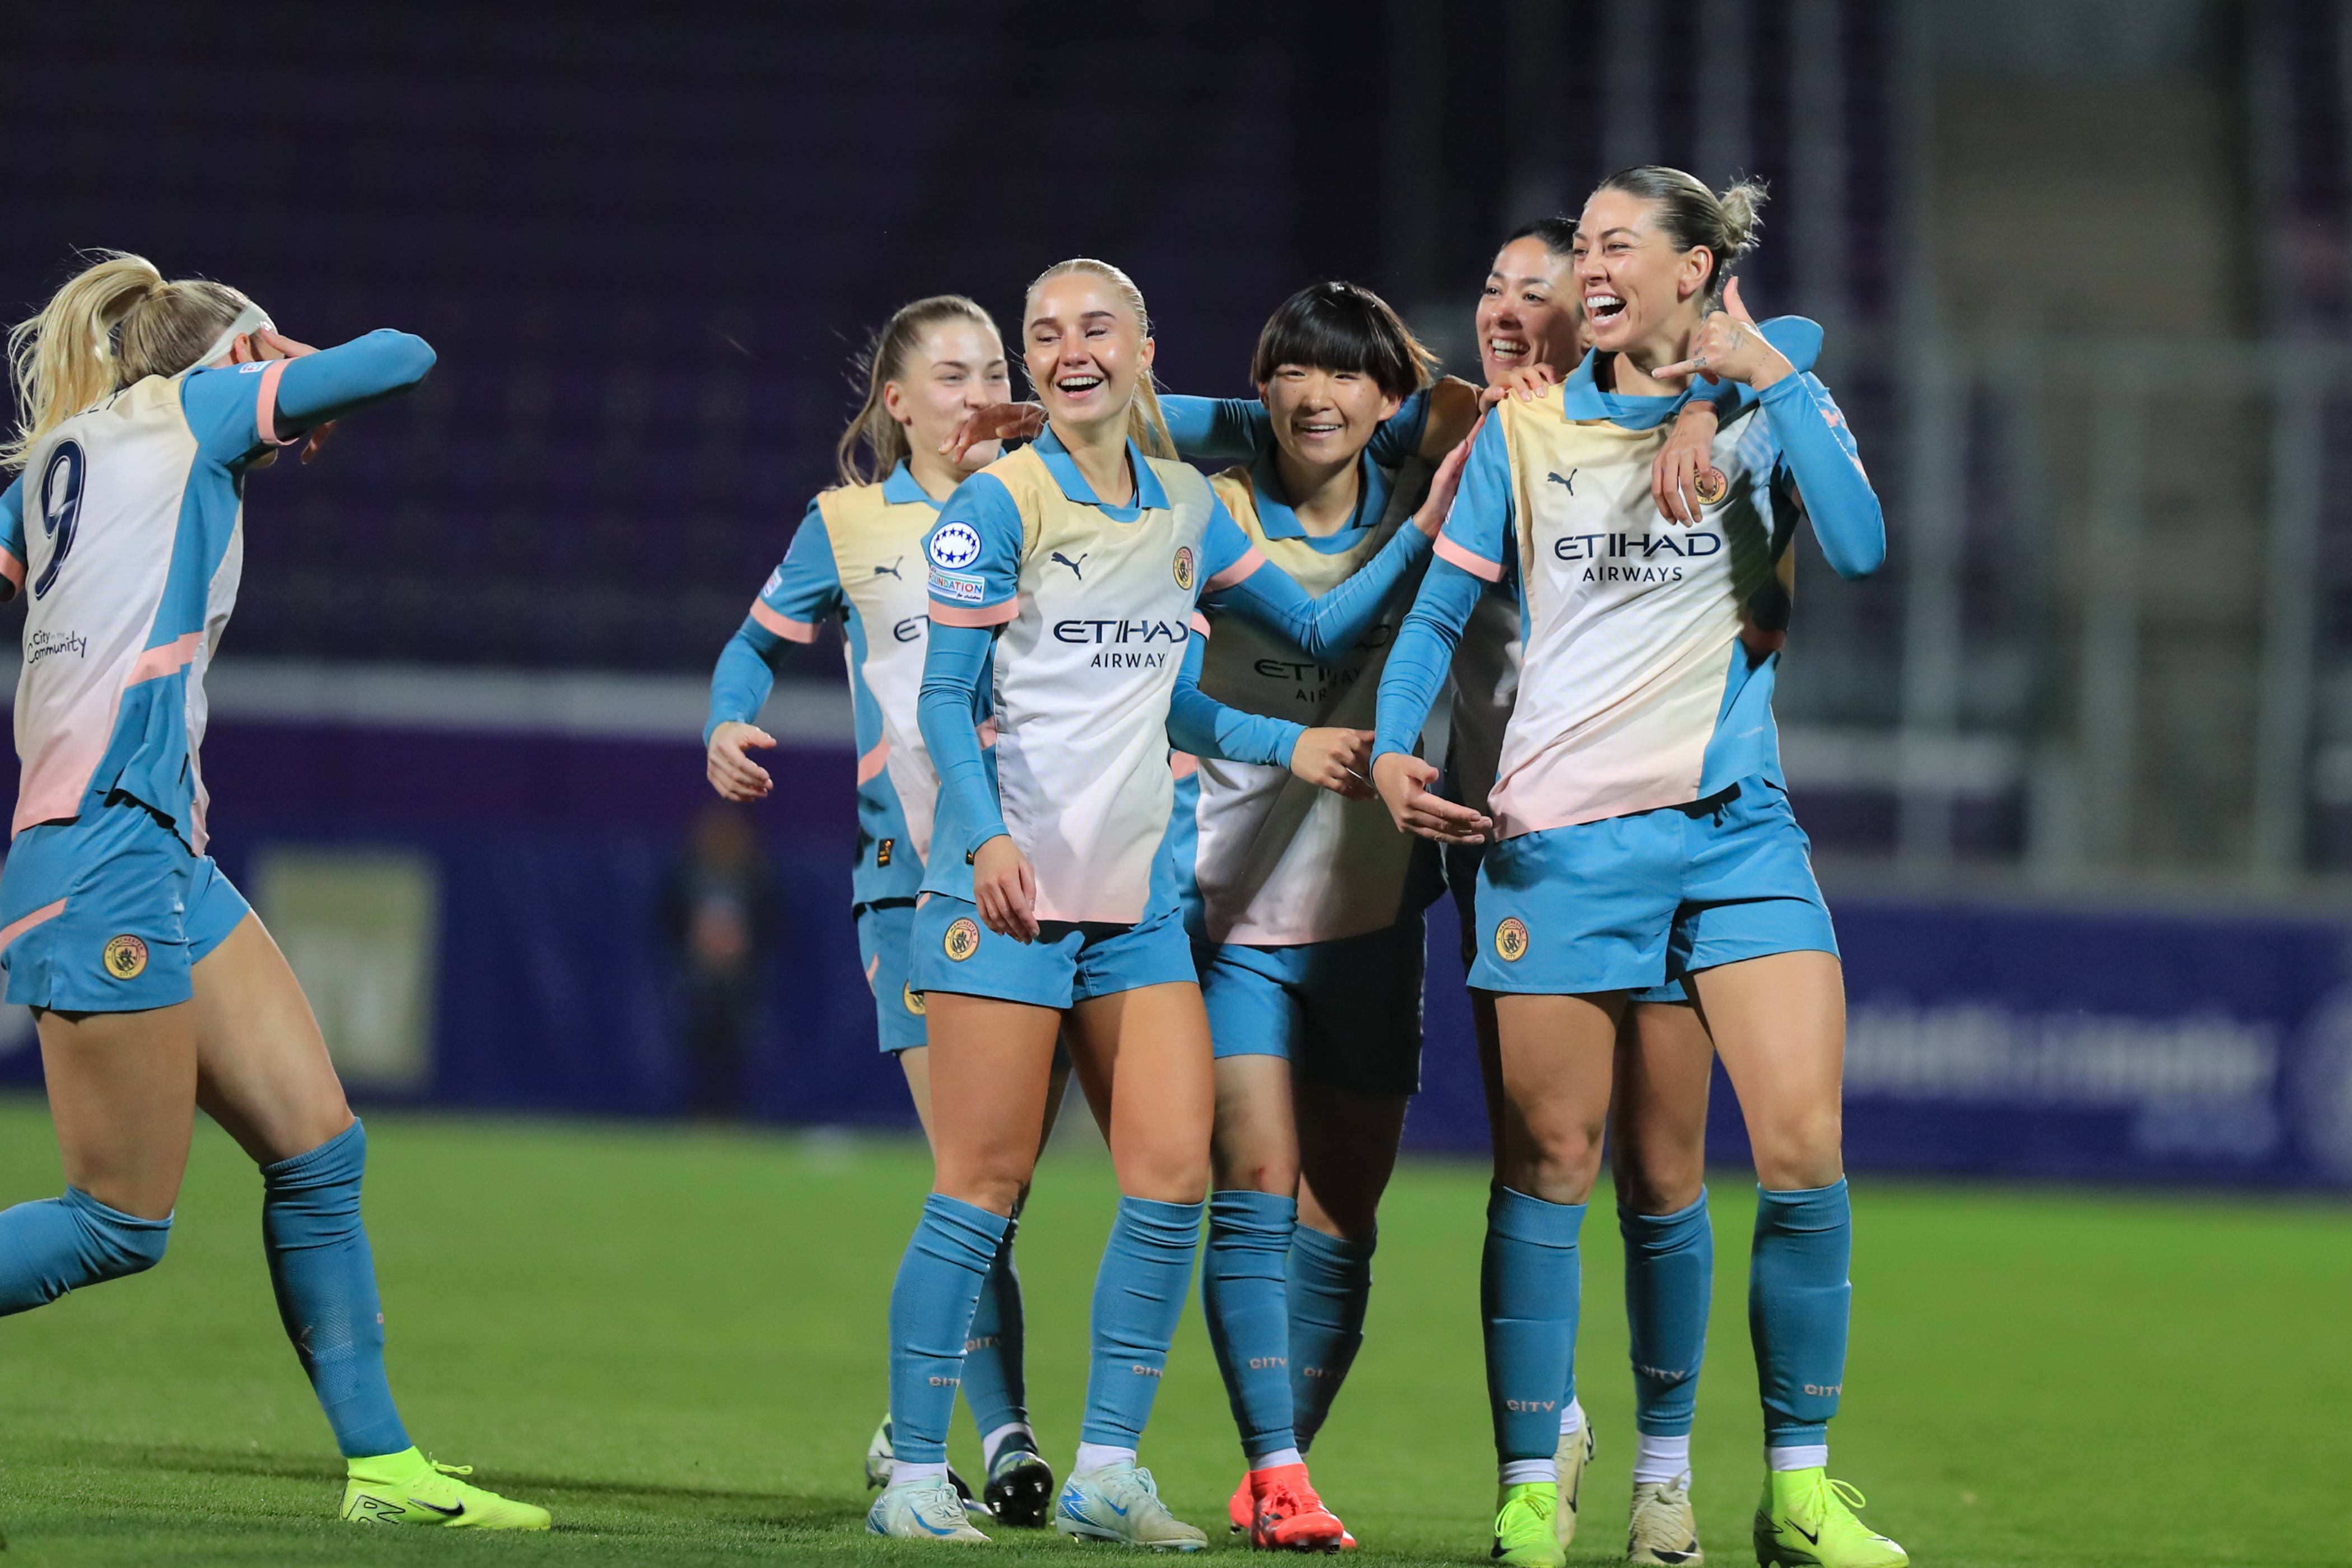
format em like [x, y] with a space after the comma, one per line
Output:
[1812, 1537]
[457, 1512]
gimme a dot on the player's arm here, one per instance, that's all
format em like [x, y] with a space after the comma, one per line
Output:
[973, 561]
[801, 591]
[1471, 555]
[243, 410]
[1332, 759]
[1689, 451]
[1819, 458]
[1240, 580]
[12, 539]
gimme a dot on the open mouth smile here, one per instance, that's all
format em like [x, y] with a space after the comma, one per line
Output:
[1603, 307]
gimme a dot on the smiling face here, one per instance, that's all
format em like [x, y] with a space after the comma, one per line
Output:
[956, 366]
[1635, 285]
[1085, 351]
[1528, 312]
[1324, 418]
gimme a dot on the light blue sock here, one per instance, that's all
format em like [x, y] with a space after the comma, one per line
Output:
[939, 1279]
[994, 1383]
[325, 1278]
[1530, 1282]
[1138, 1296]
[1799, 1301]
[1330, 1281]
[1244, 1292]
[1669, 1286]
[58, 1245]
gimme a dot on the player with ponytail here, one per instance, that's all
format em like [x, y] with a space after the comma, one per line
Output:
[143, 407]
[1641, 829]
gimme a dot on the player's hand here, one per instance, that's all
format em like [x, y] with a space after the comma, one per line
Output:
[1730, 347]
[1005, 888]
[1336, 760]
[1528, 383]
[1688, 454]
[997, 422]
[1430, 518]
[734, 775]
[269, 343]
[1404, 781]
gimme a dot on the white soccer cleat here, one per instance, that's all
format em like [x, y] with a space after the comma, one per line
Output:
[928, 1510]
[1663, 1529]
[1119, 1502]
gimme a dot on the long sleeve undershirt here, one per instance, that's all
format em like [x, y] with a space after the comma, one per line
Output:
[745, 675]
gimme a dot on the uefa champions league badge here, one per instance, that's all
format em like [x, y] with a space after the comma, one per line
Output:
[1511, 940]
[1184, 567]
[954, 546]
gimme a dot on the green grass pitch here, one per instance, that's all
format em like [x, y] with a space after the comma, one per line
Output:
[675, 1340]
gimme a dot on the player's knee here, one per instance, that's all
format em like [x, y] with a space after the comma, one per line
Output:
[114, 1244]
[1799, 1153]
[1653, 1178]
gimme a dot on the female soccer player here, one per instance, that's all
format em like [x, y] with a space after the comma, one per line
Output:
[141, 408]
[1642, 831]
[858, 556]
[1064, 581]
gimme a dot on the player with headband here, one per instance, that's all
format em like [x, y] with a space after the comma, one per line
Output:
[143, 407]
[1064, 581]
[1642, 830]
[858, 558]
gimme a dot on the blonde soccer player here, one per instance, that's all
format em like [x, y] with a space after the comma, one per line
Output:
[1641, 830]
[857, 559]
[1066, 583]
[143, 406]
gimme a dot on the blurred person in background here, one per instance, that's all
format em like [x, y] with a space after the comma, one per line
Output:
[1644, 832]
[858, 558]
[717, 917]
[143, 407]
[1067, 582]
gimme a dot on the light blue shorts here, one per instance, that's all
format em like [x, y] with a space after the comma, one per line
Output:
[109, 913]
[1633, 901]
[885, 944]
[1461, 862]
[1346, 1014]
[1067, 963]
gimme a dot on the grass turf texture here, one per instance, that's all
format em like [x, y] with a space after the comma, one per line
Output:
[675, 1340]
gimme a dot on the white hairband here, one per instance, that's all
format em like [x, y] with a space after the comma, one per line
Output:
[252, 316]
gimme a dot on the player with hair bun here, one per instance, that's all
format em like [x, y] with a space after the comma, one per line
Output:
[1643, 832]
[858, 558]
[143, 407]
[1065, 583]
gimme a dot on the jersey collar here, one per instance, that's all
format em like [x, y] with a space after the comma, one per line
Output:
[900, 487]
[1149, 494]
[1278, 519]
[1581, 398]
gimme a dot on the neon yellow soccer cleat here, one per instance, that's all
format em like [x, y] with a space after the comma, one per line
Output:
[1806, 1520]
[409, 1488]
[1576, 1451]
[1662, 1528]
[1525, 1533]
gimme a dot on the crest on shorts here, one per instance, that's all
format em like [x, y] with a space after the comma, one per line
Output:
[962, 939]
[1711, 486]
[914, 1000]
[1184, 567]
[1511, 940]
[125, 956]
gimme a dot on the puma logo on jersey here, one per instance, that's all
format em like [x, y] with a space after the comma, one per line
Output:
[891, 570]
[1569, 482]
[1073, 566]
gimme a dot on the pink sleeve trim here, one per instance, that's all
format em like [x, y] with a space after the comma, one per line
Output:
[1250, 561]
[1470, 561]
[783, 627]
[12, 568]
[974, 615]
[1199, 623]
[1183, 764]
[986, 731]
[870, 766]
[265, 408]
[18, 928]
